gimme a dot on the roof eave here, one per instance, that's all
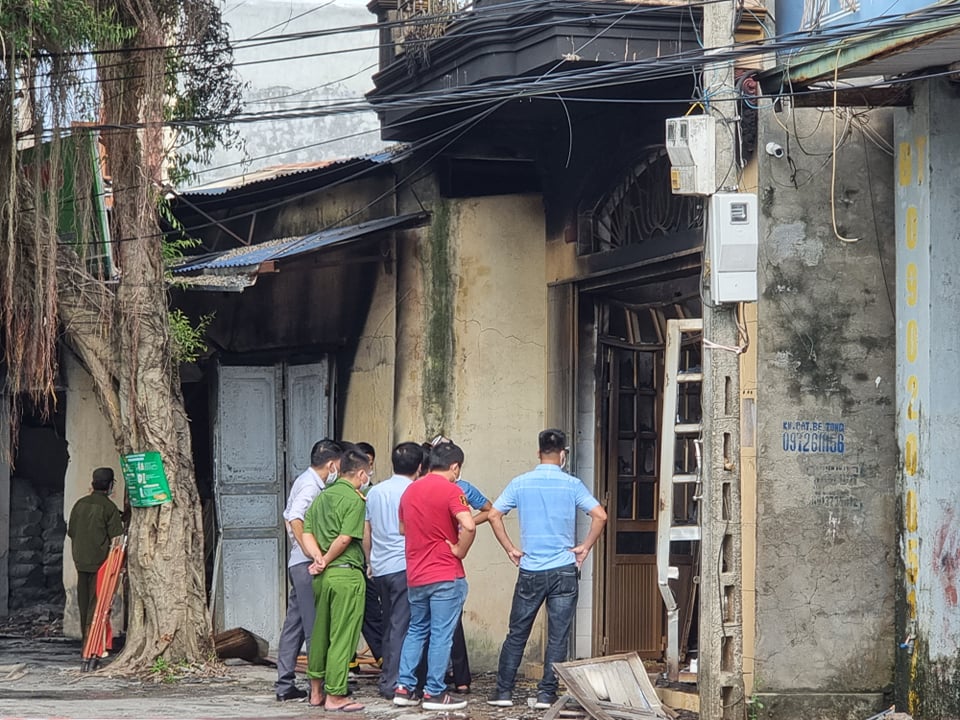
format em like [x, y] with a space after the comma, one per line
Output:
[840, 57]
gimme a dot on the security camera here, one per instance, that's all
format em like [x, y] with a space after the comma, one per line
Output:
[775, 150]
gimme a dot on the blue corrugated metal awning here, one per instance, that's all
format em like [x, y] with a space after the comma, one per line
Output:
[248, 260]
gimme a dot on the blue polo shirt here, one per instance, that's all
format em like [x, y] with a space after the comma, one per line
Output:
[476, 498]
[547, 499]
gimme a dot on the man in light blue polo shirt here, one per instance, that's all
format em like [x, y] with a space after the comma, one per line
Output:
[384, 546]
[549, 560]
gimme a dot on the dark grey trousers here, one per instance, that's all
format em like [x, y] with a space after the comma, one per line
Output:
[396, 620]
[301, 611]
[86, 599]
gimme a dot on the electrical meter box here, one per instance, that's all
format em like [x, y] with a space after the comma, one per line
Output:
[734, 238]
[691, 144]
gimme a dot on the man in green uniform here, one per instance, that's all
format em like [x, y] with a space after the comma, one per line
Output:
[332, 536]
[94, 521]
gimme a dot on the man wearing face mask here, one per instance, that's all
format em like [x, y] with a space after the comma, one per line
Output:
[548, 500]
[373, 629]
[333, 537]
[324, 465]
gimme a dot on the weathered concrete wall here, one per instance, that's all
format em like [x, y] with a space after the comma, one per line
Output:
[90, 445]
[471, 363]
[365, 198]
[320, 70]
[928, 410]
[826, 457]
[368, 407]
[499, 359]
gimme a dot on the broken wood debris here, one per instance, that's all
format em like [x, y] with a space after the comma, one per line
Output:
[9, 673]
[240, 643]
[610, 688]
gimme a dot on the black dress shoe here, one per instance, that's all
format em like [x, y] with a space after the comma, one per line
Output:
[292, 694]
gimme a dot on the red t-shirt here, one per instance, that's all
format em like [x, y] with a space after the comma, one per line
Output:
[428, 510]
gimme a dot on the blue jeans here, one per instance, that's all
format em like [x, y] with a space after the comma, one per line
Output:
[558, 587]
[434, 612]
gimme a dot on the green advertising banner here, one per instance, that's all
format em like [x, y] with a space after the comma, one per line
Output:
[146, 481]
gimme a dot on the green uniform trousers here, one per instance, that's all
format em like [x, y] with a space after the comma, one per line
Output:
[340, 593]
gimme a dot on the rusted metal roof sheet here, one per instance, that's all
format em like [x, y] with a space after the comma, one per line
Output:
[265, 177]
[891, 47]
[269, 173]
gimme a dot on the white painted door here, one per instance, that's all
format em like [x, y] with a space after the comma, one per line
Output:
[250, 494]
[308, 413]
[267, 420]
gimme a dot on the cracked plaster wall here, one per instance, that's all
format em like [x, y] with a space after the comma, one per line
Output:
[496, 378]
[826, 542]
[90, 445]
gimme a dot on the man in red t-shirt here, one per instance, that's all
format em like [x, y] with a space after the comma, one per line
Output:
[436, 520]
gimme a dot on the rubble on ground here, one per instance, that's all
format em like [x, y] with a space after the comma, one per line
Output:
[42, 621]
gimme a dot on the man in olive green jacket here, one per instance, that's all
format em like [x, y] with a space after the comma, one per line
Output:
[94, 521]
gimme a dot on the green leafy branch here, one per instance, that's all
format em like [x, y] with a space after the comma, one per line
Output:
[188, 339]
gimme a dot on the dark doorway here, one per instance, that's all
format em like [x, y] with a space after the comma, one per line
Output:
[37, 528]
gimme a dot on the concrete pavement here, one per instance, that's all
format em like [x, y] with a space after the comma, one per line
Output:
[40, 678]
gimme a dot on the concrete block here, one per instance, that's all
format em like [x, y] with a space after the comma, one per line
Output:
[818, 706]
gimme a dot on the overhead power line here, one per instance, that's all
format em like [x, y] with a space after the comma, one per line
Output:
[564, 82]
[419, 21]
[502, 8]
[495, 94]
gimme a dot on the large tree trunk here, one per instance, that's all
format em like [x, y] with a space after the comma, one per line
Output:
[124, 341]
[121, 332]
[140, 396]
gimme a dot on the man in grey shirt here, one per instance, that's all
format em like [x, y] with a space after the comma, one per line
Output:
[324, 465]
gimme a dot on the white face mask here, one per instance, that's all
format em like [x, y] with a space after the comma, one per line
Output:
[563, 460]
[367, 482]
[332, 477]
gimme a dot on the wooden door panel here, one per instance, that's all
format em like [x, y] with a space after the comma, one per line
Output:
[634, 622]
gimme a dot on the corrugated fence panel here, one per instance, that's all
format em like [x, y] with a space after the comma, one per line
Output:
[639, 623]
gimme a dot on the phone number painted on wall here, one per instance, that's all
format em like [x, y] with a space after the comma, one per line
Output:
[807, 436]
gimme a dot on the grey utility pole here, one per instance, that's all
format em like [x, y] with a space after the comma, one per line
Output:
[720, 673]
